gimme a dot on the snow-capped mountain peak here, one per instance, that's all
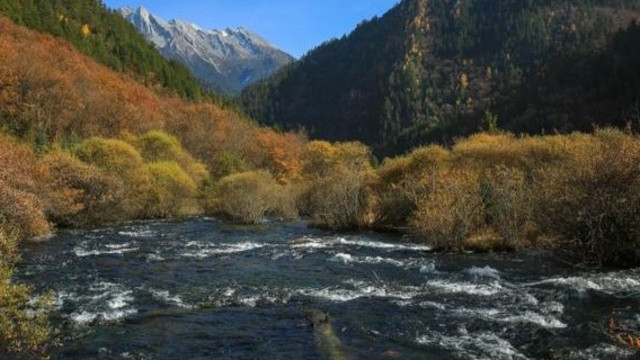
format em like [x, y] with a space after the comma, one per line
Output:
[227, 59]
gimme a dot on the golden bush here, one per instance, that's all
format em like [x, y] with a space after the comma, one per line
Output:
[354, 155]
[341, 199]
[338, 178]
[427, 159]
[120, 159]
[396, 193]
[393, 171]
[484, 151]
[113, 155]
[158, 146]
[247, 197]
[590, 205]
[320, 157]
[508, 205]
[401, 182]
[449, 215]
[285, 201]
[175, 192]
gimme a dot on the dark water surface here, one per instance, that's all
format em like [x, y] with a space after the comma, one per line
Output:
[200, 289]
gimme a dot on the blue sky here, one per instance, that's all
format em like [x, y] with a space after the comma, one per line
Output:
[295, 26]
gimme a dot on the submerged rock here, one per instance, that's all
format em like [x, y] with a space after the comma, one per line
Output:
[326, 340]
[318, 317]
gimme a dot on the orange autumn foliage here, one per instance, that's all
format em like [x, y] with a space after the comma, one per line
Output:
[19, 203]
[50, 93]
[278, 153]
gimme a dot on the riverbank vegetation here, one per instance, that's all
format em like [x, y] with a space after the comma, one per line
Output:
[24, 327]
[82, 146]
[576, 194]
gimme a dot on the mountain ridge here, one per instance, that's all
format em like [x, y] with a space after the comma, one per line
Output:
[225, 60]
[430, 71]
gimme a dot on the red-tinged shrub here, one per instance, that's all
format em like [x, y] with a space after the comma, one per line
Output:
[278, 153]
[19, 204]
[78, 194]
[17, 164]
[23, 211]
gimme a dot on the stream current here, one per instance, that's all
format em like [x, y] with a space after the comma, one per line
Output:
[202, 289]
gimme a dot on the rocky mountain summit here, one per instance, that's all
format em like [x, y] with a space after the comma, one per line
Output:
[225, 60]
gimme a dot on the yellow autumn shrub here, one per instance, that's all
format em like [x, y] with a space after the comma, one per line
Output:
[452, 212]
[484, 151]
[113, 155]
[338, 178]
[396, 199]
[175, 192]
[320, 157]
[158, 146]
[317, 158]
[401, 182]
[341, 200]
[121, 159]
[508, 203]
[247, 197]
[590, 205]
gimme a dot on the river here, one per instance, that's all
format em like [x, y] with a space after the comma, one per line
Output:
[203, 289]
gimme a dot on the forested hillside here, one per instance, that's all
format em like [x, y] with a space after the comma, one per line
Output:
[107, 37]
[428, 71]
